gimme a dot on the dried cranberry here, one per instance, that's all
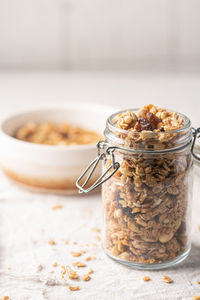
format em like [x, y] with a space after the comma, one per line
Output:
[148, 121]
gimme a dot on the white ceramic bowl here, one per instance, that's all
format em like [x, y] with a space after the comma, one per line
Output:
[45, 167]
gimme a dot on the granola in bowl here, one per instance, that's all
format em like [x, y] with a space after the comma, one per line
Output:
[49, 133]
[147, 201]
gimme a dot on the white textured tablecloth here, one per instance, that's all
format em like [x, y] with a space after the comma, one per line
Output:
[28, 222]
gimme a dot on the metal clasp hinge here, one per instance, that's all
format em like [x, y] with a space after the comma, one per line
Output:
[92, 166]
[196, 134]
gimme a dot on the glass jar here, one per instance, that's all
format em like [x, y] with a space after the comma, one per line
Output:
[147, 194]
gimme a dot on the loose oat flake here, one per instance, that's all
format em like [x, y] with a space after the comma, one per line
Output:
[88, 258]
[54, 264]
[76, 254]
[79, 264]
[51, 242]
[86, 277]
[58, 206]
[167, 279]
[73, 288]
[96, 229]
[146, 278]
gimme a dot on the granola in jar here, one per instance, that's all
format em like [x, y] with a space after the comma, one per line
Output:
[147, 201]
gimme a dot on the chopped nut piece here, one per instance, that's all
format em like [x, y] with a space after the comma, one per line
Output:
[79, 264]
[199, 227]
[72, 274]
[197, 282]
[54, 264]
[96, 229]
[73, 288]
[146, 278]
[196, 297]
[98, 237]
[167, 279]
[74, 243]
[9, 268]
[51, 242]
[66, 242]
[56, 206]
[90, 271]
[86, 277]
[5, 298]
[88, 258]
[76, 254]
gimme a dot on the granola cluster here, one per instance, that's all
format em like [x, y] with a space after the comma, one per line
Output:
[150, 127]
[56, 134]
[146, 201]
[150, 118]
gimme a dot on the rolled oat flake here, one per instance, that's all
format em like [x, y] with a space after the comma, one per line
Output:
[147, 157]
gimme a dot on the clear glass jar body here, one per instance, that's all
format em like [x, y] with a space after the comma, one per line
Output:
[147, 202]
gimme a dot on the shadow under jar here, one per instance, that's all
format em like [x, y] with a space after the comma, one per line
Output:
[148, 196]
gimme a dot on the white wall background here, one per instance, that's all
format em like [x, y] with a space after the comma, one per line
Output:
[100, 34]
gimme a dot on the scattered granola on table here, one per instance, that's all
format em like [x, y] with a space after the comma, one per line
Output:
[72, 274]
[146, 201]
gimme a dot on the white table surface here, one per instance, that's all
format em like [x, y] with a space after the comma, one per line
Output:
[27, 220]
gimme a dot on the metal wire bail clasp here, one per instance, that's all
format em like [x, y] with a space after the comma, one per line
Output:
[196, 134]
[92, 166]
